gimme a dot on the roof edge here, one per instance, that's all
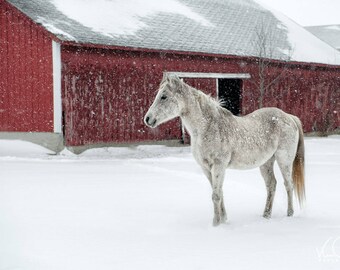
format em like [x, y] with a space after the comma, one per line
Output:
[150, 50]
[200, 54]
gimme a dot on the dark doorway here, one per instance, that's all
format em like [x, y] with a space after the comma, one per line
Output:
[229, 91]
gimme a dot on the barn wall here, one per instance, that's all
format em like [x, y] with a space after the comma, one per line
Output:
[106, 92]
[26, 96]
[308, 91]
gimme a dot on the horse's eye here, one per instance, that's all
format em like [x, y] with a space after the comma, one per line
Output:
[163, 97]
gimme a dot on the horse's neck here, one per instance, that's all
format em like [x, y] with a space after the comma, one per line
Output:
[198, 112]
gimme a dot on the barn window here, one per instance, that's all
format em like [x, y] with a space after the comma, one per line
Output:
[229, 92]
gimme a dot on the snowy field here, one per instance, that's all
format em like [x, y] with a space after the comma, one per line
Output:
[149, 207]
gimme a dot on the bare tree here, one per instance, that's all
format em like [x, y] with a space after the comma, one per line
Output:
[263, 44]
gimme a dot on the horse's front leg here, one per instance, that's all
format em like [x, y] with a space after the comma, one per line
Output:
[217, 173]
[223, 213]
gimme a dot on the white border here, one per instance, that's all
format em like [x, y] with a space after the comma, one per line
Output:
[57, 108]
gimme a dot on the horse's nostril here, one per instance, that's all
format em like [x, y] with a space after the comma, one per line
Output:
[147, 119]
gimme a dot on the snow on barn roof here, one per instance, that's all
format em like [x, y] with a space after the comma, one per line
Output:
[328, 33]
[228, 27]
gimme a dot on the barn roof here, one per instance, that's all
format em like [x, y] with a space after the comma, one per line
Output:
[328, 33]
[228, 27]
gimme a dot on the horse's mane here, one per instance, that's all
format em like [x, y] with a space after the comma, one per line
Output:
[207, 102]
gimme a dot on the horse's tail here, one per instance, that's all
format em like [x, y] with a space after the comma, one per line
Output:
[299, 166]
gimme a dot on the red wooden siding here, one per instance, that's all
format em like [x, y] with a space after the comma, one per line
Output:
[26, 82]
[107, 92]
[310, 92]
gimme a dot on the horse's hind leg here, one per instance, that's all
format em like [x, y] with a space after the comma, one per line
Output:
[286, 170]
[267, 172]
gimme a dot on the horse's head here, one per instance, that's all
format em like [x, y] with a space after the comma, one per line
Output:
[165, 106]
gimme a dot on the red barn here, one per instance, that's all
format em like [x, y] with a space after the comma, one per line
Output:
[81, 73]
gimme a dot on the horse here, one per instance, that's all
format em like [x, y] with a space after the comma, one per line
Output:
[221, 140]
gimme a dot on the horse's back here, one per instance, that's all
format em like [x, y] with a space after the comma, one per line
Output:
[273, 118]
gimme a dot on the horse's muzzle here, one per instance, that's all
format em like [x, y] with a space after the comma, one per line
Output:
[150, 122]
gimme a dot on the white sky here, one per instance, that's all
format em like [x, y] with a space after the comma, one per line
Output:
[308, 12]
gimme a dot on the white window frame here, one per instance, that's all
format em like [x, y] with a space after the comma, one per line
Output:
[202, 75]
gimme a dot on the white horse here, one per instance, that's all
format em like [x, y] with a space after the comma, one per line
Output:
[220, 140]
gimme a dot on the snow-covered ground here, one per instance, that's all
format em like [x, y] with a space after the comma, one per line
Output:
[149, 207]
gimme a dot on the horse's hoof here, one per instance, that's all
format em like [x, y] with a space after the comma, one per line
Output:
[267, 215]
[216, 222]
[224, 219]
[290, 212]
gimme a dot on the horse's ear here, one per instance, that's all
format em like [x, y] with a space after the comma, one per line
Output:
[165, 76]
[175, 81]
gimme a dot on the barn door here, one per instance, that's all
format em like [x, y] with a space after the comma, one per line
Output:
[229, 91]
